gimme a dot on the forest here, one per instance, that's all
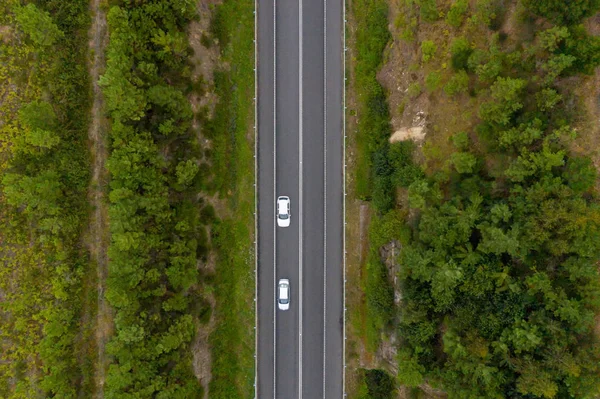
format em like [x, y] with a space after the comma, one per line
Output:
[497, 216]
[171, 199]
[44, 167]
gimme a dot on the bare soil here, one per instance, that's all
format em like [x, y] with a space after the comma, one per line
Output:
[205, 60]
[98, 236]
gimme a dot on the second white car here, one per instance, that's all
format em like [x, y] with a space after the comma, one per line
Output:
[283, 294]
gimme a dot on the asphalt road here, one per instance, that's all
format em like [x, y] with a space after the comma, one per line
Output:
[300, 154]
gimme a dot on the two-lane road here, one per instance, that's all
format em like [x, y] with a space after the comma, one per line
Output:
[300, 141]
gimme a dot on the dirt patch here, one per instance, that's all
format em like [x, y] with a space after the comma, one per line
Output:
[98, 233]
[5, 33]
[204, 60]
[416, 133]
[201, 350]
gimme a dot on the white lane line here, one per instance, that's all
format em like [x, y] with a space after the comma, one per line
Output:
[300, 116]
[274, 195]
[255, 202]
[344, 199]
[324, 195]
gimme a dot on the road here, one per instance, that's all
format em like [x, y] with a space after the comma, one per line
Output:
[300, 154]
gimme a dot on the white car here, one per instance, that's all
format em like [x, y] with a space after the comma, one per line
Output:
[283, 211]
[283, 294]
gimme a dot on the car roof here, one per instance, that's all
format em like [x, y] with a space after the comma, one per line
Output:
[284, 292]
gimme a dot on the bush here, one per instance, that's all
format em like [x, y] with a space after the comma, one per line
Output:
[428, 49]
[563, 12]
[433, 81]
[428, 10]
[379, 294]
[456, 14]
[460, 51]
[458, 83]
[464, 162]
[377, 385]
[414, 90]
[404, 171]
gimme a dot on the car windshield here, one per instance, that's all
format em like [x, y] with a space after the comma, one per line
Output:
[284, 301]
[283, 216]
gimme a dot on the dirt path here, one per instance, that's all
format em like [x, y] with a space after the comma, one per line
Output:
[98, 227]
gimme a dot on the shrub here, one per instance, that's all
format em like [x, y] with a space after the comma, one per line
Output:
[458, 83]
[563, 12]
[464, 162]
[428, 49]
[460, 140]
[377, 385]
[460, 51]
[433, 81]
[414, 90]
[456, 14]
[428, 10]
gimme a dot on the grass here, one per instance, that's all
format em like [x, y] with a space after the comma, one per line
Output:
[373, 129]
[232, 340]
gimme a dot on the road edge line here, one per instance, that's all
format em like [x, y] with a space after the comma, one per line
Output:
[324, 196]
[274, 194]
[300, 174]
[255, 199]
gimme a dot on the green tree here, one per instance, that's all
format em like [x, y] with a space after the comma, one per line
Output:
[38, 25]
[40, 123]
[505, 93]
[458, 83]
[464, 162]
[186, 171]
[460, 50]
[564, 13]
[456, 14]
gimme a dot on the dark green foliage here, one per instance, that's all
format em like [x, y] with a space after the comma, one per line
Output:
[505, 101]
[376, 384]
[580, 174]
[461, 51]
[155, 232]
[404, 171]
[584, 47]
[499, 282]
[373, 128]
[561, 12]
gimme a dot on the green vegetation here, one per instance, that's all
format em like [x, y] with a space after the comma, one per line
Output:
[376, 384]
[499, 237]
[373, 129]
[157, 234]
[232, 341]
[44, 167]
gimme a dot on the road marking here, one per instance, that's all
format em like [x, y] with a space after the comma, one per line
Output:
[300, 115]
[274, 195]
[324, 195]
